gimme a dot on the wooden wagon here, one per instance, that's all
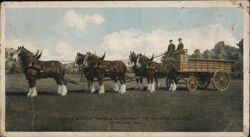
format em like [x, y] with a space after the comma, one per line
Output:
[199, 73]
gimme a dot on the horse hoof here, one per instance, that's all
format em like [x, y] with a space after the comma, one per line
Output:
[33, 96]
[122, 92]
[92, 91]
[63, 94]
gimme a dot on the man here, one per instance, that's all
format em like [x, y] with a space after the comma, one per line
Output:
[171, 47]
[180, 45]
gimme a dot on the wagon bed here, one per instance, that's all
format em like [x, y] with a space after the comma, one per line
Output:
[204, 65]
[199, 72]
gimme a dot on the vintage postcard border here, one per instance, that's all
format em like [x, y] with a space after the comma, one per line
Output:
[244, 5]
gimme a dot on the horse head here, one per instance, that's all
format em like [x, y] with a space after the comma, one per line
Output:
[133, 58]
[91, 60]
[143, 61]
[25, 56]
[79, 59]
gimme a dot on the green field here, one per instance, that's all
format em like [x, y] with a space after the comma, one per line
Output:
[203, 110]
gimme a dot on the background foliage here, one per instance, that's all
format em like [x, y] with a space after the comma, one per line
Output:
[220, 51]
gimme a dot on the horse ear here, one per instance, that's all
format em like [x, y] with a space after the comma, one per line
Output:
[152, 58]
[37, 52]
[102, 58]
[39, 56]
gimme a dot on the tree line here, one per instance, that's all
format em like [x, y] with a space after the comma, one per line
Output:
[220, 51]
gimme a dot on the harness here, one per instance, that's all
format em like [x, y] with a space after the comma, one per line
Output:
[95, 67]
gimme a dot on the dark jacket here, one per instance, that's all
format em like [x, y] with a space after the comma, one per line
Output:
[171, 48]
[180, 46]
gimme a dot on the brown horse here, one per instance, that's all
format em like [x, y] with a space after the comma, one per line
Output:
[142, 64]
[100, 68]
[157, 70]
[165, 70]
[35, 69]
[133, 59]
[85, 70]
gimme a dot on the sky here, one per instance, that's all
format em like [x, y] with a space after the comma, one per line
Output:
[62, 32]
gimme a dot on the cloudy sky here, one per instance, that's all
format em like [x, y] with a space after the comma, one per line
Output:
[62, 32]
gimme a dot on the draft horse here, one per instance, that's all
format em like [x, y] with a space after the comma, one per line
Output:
[85, 70]
[100, 68]
[133, 60]
[36, 69]
[157, 70]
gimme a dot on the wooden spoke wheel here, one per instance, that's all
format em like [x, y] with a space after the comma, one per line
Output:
[204, 81]
[221, 80]
[192, 83]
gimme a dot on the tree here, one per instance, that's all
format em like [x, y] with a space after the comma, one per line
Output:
[240, 45]
[208, 54]
[196, 54]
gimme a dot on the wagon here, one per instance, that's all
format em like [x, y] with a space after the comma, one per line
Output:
[199, 73]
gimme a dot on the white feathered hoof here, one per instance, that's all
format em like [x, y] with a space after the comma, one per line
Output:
[123, 89]
[101, 90]
[30, 92]
[174, 87]
[149, 87]
[59, 90]
[34, 92]
[64, 90]
[152, 90]
[171, 87]
[116, 87]
[92, 90]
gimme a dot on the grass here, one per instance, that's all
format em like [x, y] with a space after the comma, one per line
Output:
[203, 110]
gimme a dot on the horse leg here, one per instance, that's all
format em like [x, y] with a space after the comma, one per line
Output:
[100, 81]
[171, 84]
[123, 84]
[116, 86]
[152, 85]
[63, 86]
[87, 88]
[92, 90]
[174, 86]
[32, 90]
[141, 83]
[59, 85]
[157, 85]
[174, 82]
[149, 84]
[137, 83]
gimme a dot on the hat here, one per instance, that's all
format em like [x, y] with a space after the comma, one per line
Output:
[179, 38]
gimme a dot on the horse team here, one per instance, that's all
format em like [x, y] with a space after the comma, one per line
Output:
[95, 67]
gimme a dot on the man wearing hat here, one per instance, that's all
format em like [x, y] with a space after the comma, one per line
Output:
[171, 47]
[180, 45]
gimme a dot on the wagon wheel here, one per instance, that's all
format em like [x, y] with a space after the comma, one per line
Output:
[192, 83]
[204, 81]
[221, 80]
